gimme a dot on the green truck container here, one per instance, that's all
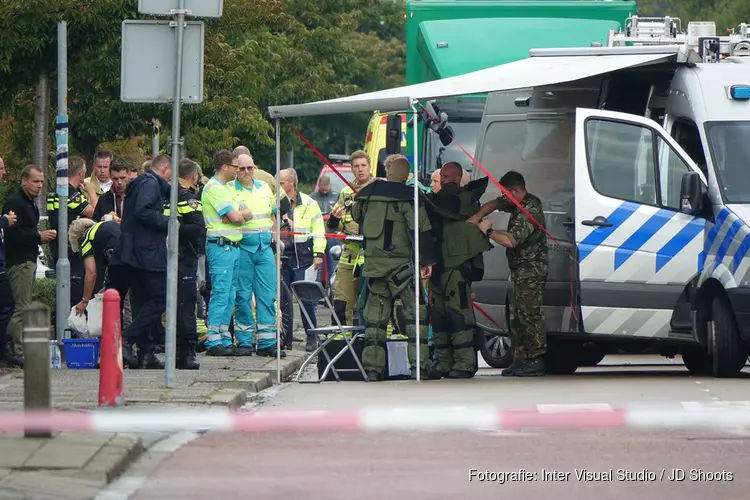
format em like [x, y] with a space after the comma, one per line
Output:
[446, 38]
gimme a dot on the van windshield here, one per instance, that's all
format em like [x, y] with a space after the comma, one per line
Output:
[729, 143]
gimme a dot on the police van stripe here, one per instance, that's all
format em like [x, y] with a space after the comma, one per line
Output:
[678, 242]
[644, 233]
[727, 241]
[740, 253]
[723, 214]
[599, 234]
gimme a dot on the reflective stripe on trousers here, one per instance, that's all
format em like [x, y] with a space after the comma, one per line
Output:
[257, 276]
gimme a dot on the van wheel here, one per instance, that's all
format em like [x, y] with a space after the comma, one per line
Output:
[497, 350]
[697, 360]
[729, 352]
[562, 358]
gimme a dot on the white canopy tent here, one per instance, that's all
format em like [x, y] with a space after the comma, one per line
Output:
[543, 67]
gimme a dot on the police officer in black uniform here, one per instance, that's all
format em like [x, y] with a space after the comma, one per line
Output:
[192, 244]
[78, 206]
[94, 242]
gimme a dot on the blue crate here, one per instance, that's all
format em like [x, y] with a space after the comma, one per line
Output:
[81, 354]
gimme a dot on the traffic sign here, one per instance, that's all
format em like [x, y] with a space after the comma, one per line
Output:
[196, 8]
[149, 66]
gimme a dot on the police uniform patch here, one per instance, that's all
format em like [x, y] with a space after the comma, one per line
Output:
[193, 203]
[75, 196]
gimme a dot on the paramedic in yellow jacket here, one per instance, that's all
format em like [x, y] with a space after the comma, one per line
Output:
[257, 271]
[301, 250]
[346, 286]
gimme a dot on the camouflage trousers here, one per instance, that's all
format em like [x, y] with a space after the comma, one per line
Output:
[527, 323]
[381, 293]
[453, 322]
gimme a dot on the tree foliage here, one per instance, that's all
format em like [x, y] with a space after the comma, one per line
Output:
[257, 54]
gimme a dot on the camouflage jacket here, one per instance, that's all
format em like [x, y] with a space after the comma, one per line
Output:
[530, 252]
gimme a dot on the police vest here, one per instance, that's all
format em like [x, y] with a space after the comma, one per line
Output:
[219, 198]
[184, 207]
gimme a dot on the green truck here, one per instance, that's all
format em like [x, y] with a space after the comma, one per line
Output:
[447, 38]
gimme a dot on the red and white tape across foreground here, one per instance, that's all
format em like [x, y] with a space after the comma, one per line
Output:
[422, 419]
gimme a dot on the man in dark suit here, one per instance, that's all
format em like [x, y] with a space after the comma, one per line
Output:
[142, 256]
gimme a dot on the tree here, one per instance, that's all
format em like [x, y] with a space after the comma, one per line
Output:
[257, 54]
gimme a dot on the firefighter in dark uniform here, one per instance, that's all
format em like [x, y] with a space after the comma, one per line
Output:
[78, 206]
[192, 244]
[94, 242]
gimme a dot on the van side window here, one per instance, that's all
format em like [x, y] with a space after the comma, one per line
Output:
[671, 170]
[621, 160]
[687, 136]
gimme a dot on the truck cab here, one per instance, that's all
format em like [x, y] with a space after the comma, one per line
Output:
[640, 170]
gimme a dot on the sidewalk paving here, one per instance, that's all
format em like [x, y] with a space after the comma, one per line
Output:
[220, 381]
[64, 466]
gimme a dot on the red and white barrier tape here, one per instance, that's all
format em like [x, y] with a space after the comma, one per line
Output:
[434, 419]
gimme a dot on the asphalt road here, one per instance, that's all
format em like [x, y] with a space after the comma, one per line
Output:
[593, 464]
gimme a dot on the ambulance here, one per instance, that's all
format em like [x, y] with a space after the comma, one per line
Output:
[640, 152]
[375, 141]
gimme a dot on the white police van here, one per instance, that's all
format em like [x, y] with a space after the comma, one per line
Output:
[643, 167]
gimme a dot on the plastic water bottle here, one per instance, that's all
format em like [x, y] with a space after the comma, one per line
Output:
[54, 354]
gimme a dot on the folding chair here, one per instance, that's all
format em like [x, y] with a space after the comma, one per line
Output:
[313, 291]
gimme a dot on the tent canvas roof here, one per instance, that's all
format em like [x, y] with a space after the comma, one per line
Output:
[546, 67]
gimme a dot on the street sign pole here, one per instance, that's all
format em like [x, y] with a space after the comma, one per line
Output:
[173, 238]
[152, 48]
[62, 270]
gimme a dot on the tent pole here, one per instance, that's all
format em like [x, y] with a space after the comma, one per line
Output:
[278, 251]
[417, 274]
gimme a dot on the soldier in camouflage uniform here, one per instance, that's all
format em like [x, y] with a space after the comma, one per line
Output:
[527, 255]
[385, 212]
[459, 264]
[346, 288]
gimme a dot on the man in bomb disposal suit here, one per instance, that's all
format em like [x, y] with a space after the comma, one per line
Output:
[385, 213]
[459, 264]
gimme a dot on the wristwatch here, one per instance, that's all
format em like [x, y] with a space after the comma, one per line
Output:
[489, 231]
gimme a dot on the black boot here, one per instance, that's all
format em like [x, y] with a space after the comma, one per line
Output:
[128, 357]
[532, 368]
[186, 359]
[373, 376]
[148, 359]
[8, 358]
[460, 374]
[513, 368]
[270, 352]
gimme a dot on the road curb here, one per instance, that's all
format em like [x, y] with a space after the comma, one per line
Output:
[232, 398]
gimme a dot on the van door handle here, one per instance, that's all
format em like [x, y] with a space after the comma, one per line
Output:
[598, 221]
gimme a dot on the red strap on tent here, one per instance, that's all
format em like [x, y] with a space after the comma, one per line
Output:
[494, 181]
[322, 157]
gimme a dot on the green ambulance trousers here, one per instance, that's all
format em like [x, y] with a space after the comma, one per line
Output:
[453, 323]
[381, 293]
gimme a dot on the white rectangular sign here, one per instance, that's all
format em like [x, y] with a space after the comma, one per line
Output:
[149, 62]
[198, 8]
